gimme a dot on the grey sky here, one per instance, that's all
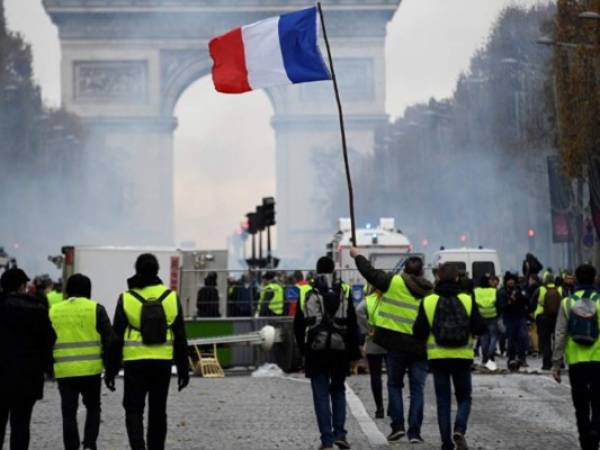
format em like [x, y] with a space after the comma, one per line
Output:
[429, 43]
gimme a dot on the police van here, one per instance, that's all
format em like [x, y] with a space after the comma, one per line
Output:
[475, 262]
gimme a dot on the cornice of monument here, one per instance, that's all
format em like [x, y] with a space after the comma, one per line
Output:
[209, 5]
[203, 19]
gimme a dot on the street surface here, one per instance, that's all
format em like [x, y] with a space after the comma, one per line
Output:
[243, 413]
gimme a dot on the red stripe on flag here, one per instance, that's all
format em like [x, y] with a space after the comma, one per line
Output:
[229, 71]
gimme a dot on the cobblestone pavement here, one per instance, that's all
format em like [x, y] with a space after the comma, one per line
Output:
[243, 413]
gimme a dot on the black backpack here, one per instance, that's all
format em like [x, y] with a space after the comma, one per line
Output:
[153, 322]
[451, 324]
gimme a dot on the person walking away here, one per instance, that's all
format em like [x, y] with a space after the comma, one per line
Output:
[149, 335]
[83, 333]
[27, 338]
[303, 287]
[270, 300]
[365, 313]
[546, 312]
[207, 301]
[531, 292]
[515, 311]
[327, 335]
[486, 299]
[394, 318]
[447, 321]
[55, 295]
[577, 339]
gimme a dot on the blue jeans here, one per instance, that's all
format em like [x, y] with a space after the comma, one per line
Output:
[398, 363]
[518, 338]
[461, 378]
[489, 340]
[329, 397]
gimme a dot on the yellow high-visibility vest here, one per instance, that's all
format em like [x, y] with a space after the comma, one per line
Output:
[78, 348]
[486, 300]
[434, 351]
[398, 308]
[134, 348]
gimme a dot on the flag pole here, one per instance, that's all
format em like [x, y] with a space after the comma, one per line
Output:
[342, 128]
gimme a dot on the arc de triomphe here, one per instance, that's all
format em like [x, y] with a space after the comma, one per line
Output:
[126, 62]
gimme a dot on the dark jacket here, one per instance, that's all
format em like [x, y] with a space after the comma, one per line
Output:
[419, 287]
[207, 302]
[421, 328]
[513, 304]
[334, 362]
[27, 340]
[120, 323]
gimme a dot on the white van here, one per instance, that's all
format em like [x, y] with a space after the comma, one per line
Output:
[476, 262]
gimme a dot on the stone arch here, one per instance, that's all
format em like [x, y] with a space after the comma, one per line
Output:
[179, 70]
[125, 63]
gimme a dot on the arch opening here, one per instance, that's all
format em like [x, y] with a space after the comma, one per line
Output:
[224, 162]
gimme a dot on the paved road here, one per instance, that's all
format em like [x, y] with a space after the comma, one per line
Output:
[243, 413]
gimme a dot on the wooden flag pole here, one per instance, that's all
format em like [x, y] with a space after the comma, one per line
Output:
[342, 128]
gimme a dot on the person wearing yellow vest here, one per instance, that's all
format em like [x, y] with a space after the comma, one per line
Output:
[394, 317]
[365, 314]
[450, 363]
[55, 295]
[549, 297]
[583, 360]
[83, 335]
[148, 340]
[271, 299]
[486, 299]
[303, 287]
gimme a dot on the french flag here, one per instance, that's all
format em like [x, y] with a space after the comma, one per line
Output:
[275, 51]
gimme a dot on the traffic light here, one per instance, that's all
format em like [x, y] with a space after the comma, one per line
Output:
[531, 233]
[252, 228]
[269, 211]
[260, 218]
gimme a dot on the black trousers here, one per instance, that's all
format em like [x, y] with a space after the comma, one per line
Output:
[546, 326]
[146, 378]
[18, 410]
[375, 369]
[585, 390]
[70, 389]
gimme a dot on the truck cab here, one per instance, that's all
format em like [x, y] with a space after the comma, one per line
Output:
[385, 246]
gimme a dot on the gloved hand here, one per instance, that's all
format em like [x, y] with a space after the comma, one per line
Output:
[183, 380]
[110, 383]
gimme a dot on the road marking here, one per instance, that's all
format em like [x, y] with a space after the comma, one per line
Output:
[375, 437]
[367, 425]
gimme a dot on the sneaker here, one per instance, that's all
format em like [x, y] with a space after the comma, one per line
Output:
[396, 435]
[325, 447]
[342, 443]
[379, 414]
[416, 440]
[460, 441]
[491, 366]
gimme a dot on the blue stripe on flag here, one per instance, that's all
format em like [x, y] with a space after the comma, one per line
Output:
[301, 55]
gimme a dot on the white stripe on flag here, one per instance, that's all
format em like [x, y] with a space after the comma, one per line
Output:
[264, 61]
